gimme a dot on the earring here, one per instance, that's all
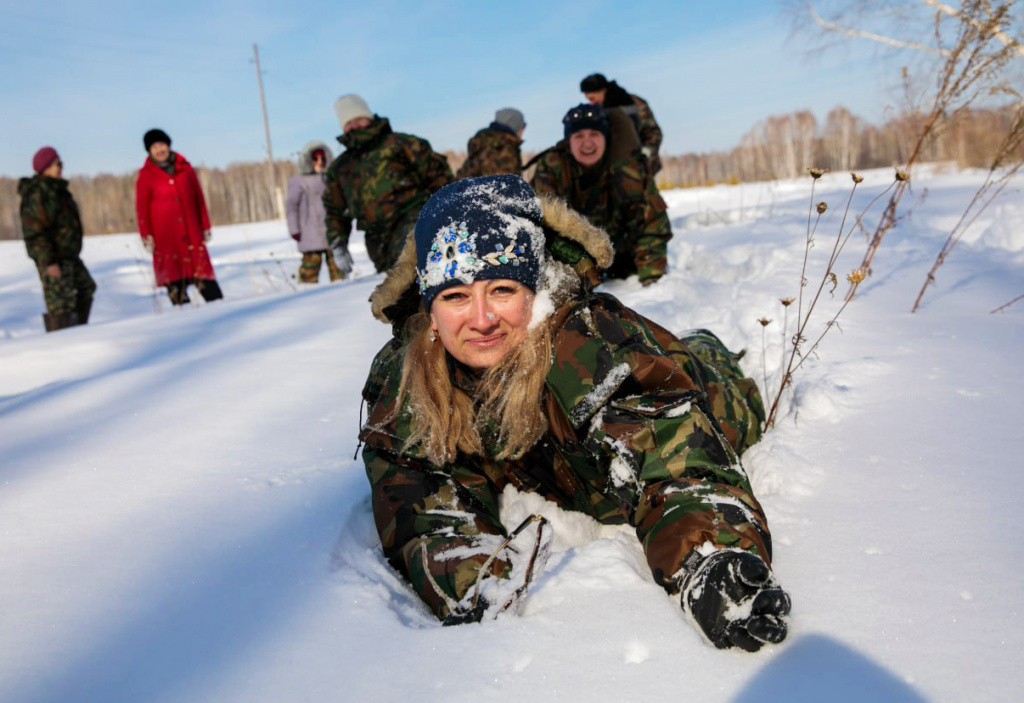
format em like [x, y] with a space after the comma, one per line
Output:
[433, 337]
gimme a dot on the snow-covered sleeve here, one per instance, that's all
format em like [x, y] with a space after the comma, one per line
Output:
[691, 494]
[437, 525]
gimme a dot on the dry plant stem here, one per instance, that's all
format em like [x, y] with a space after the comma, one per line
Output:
[287, 278]
[807, 252]
[1006, 305]
[1009, 146]
[828, 325]
[764, 365]
[967, 65]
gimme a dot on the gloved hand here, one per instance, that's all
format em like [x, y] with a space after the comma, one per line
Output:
[207, 235]
[296, 236]
[342, 259]
[147, 242]
[736, 601]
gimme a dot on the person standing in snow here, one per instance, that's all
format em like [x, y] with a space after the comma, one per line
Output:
[598, 90]
[52, 229]
[173, 221]
[507, 369]
[305, 214]
[596, 168]
[495, 149]
[381, 179]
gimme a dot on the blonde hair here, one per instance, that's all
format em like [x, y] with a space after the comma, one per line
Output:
[447, 420]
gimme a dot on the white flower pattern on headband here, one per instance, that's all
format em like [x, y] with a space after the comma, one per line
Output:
[454, 255]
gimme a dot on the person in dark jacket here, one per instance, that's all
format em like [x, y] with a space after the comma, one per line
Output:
[52, 229]
[506, 369]
[173, 222]
[304, 209]
[496, 148]
[381, 180]
[598, 90]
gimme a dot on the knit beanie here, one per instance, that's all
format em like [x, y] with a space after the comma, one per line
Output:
[43, 158]
[155, 135]
[349, 107]
[510, 117]
[585, 116]
[593, 83]
[479, 229]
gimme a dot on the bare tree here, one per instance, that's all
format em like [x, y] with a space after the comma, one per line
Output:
[974, 48]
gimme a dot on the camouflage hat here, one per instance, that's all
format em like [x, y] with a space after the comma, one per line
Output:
[585, 116]
[477, 229]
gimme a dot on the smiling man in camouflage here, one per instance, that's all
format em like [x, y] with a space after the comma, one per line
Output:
[382, 179]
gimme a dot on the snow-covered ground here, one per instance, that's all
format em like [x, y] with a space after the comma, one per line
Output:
[182, 517]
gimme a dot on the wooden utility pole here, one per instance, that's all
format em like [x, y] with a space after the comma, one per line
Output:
[271, 181]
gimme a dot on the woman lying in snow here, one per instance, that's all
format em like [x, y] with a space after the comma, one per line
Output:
[506, 368]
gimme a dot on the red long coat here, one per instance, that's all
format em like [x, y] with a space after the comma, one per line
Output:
[172, 210]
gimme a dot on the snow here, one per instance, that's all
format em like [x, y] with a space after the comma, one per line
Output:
[182, 518]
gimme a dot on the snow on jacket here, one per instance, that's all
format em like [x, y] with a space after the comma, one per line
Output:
[171, 209]
[304, 205]
[643, 430]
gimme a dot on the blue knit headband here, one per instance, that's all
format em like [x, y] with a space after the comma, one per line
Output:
[479, 229]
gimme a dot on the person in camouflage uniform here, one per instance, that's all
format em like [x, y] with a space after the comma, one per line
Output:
[610, 186]
[598, 90]
[52, 229]
[594, 407]
[495, 149]
[381, 179]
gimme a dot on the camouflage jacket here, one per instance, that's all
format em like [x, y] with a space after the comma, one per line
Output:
[648, 129]
[619, 197]
[643, 430]
[49, 220]
[382, 179]
[491, 151]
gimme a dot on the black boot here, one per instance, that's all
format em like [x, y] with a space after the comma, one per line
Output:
[177, 291]
[209, 289]
[83, 309]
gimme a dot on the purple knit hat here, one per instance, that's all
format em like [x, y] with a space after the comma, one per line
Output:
[43, 158]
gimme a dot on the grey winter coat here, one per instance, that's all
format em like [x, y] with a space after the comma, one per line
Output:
[304, 205]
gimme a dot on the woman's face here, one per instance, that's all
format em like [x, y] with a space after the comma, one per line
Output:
[159, 151]
[479, 322]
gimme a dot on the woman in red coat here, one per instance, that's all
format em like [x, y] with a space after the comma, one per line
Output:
[173, 221]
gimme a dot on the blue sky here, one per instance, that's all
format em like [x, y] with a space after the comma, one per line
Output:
[91, 78]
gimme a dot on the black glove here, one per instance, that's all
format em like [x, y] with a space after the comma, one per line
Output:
[736, 601]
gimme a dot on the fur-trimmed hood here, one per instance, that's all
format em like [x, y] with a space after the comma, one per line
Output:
[305, 160]
[571, 242]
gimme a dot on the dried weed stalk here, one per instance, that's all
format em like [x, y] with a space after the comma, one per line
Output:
[1005, 165]
[797, 351]
[972, 68]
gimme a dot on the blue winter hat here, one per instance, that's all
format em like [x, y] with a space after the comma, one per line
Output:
[478, 229]
[585, 116]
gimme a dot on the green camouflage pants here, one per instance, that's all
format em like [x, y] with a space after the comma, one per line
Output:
[71, 292]
[309, 270]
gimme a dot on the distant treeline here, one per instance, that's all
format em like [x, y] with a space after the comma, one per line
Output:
[785, 146]
[778, 147]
